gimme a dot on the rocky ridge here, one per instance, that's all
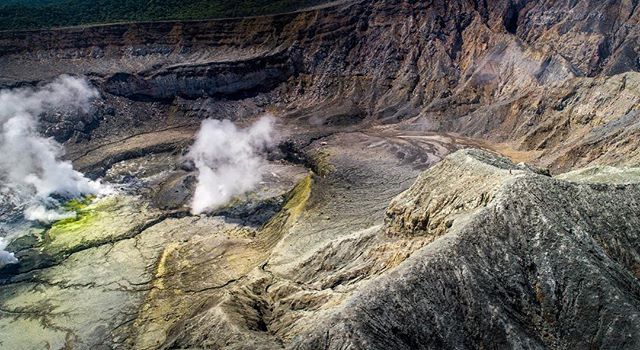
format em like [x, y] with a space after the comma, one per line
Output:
[521, 260]
[337, 248]
[469, 67]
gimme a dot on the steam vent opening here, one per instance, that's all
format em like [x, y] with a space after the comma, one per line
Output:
[319, 174]
[511, 19]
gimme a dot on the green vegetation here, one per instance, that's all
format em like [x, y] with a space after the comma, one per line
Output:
[32, 14]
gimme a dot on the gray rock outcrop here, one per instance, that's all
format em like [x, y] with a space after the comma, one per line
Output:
[523, 261]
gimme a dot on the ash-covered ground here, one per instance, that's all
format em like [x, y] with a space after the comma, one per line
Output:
[370, 174]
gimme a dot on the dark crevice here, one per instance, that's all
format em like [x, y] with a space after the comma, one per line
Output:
[511, 18]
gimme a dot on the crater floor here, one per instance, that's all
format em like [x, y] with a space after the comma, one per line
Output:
[394, 213]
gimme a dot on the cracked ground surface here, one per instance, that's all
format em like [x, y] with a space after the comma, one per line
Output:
[132, 275]
[327, 253]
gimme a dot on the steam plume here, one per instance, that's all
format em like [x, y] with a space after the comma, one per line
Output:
[30, 167]
[5, 256]
[228, 160]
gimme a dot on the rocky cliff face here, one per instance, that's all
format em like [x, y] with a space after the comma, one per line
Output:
[474, 68]
[521, 261]
[337, 248]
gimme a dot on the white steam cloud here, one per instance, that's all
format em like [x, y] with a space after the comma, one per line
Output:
[5, 256]
[31, 170]
[228, 160]
[30, 166]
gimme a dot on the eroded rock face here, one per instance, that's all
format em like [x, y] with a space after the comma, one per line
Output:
[478, 252]
[529, 261]
[331, 251]
[558, 89]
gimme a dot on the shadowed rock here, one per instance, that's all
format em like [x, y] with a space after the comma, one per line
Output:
[523, 261]
[478, 253]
